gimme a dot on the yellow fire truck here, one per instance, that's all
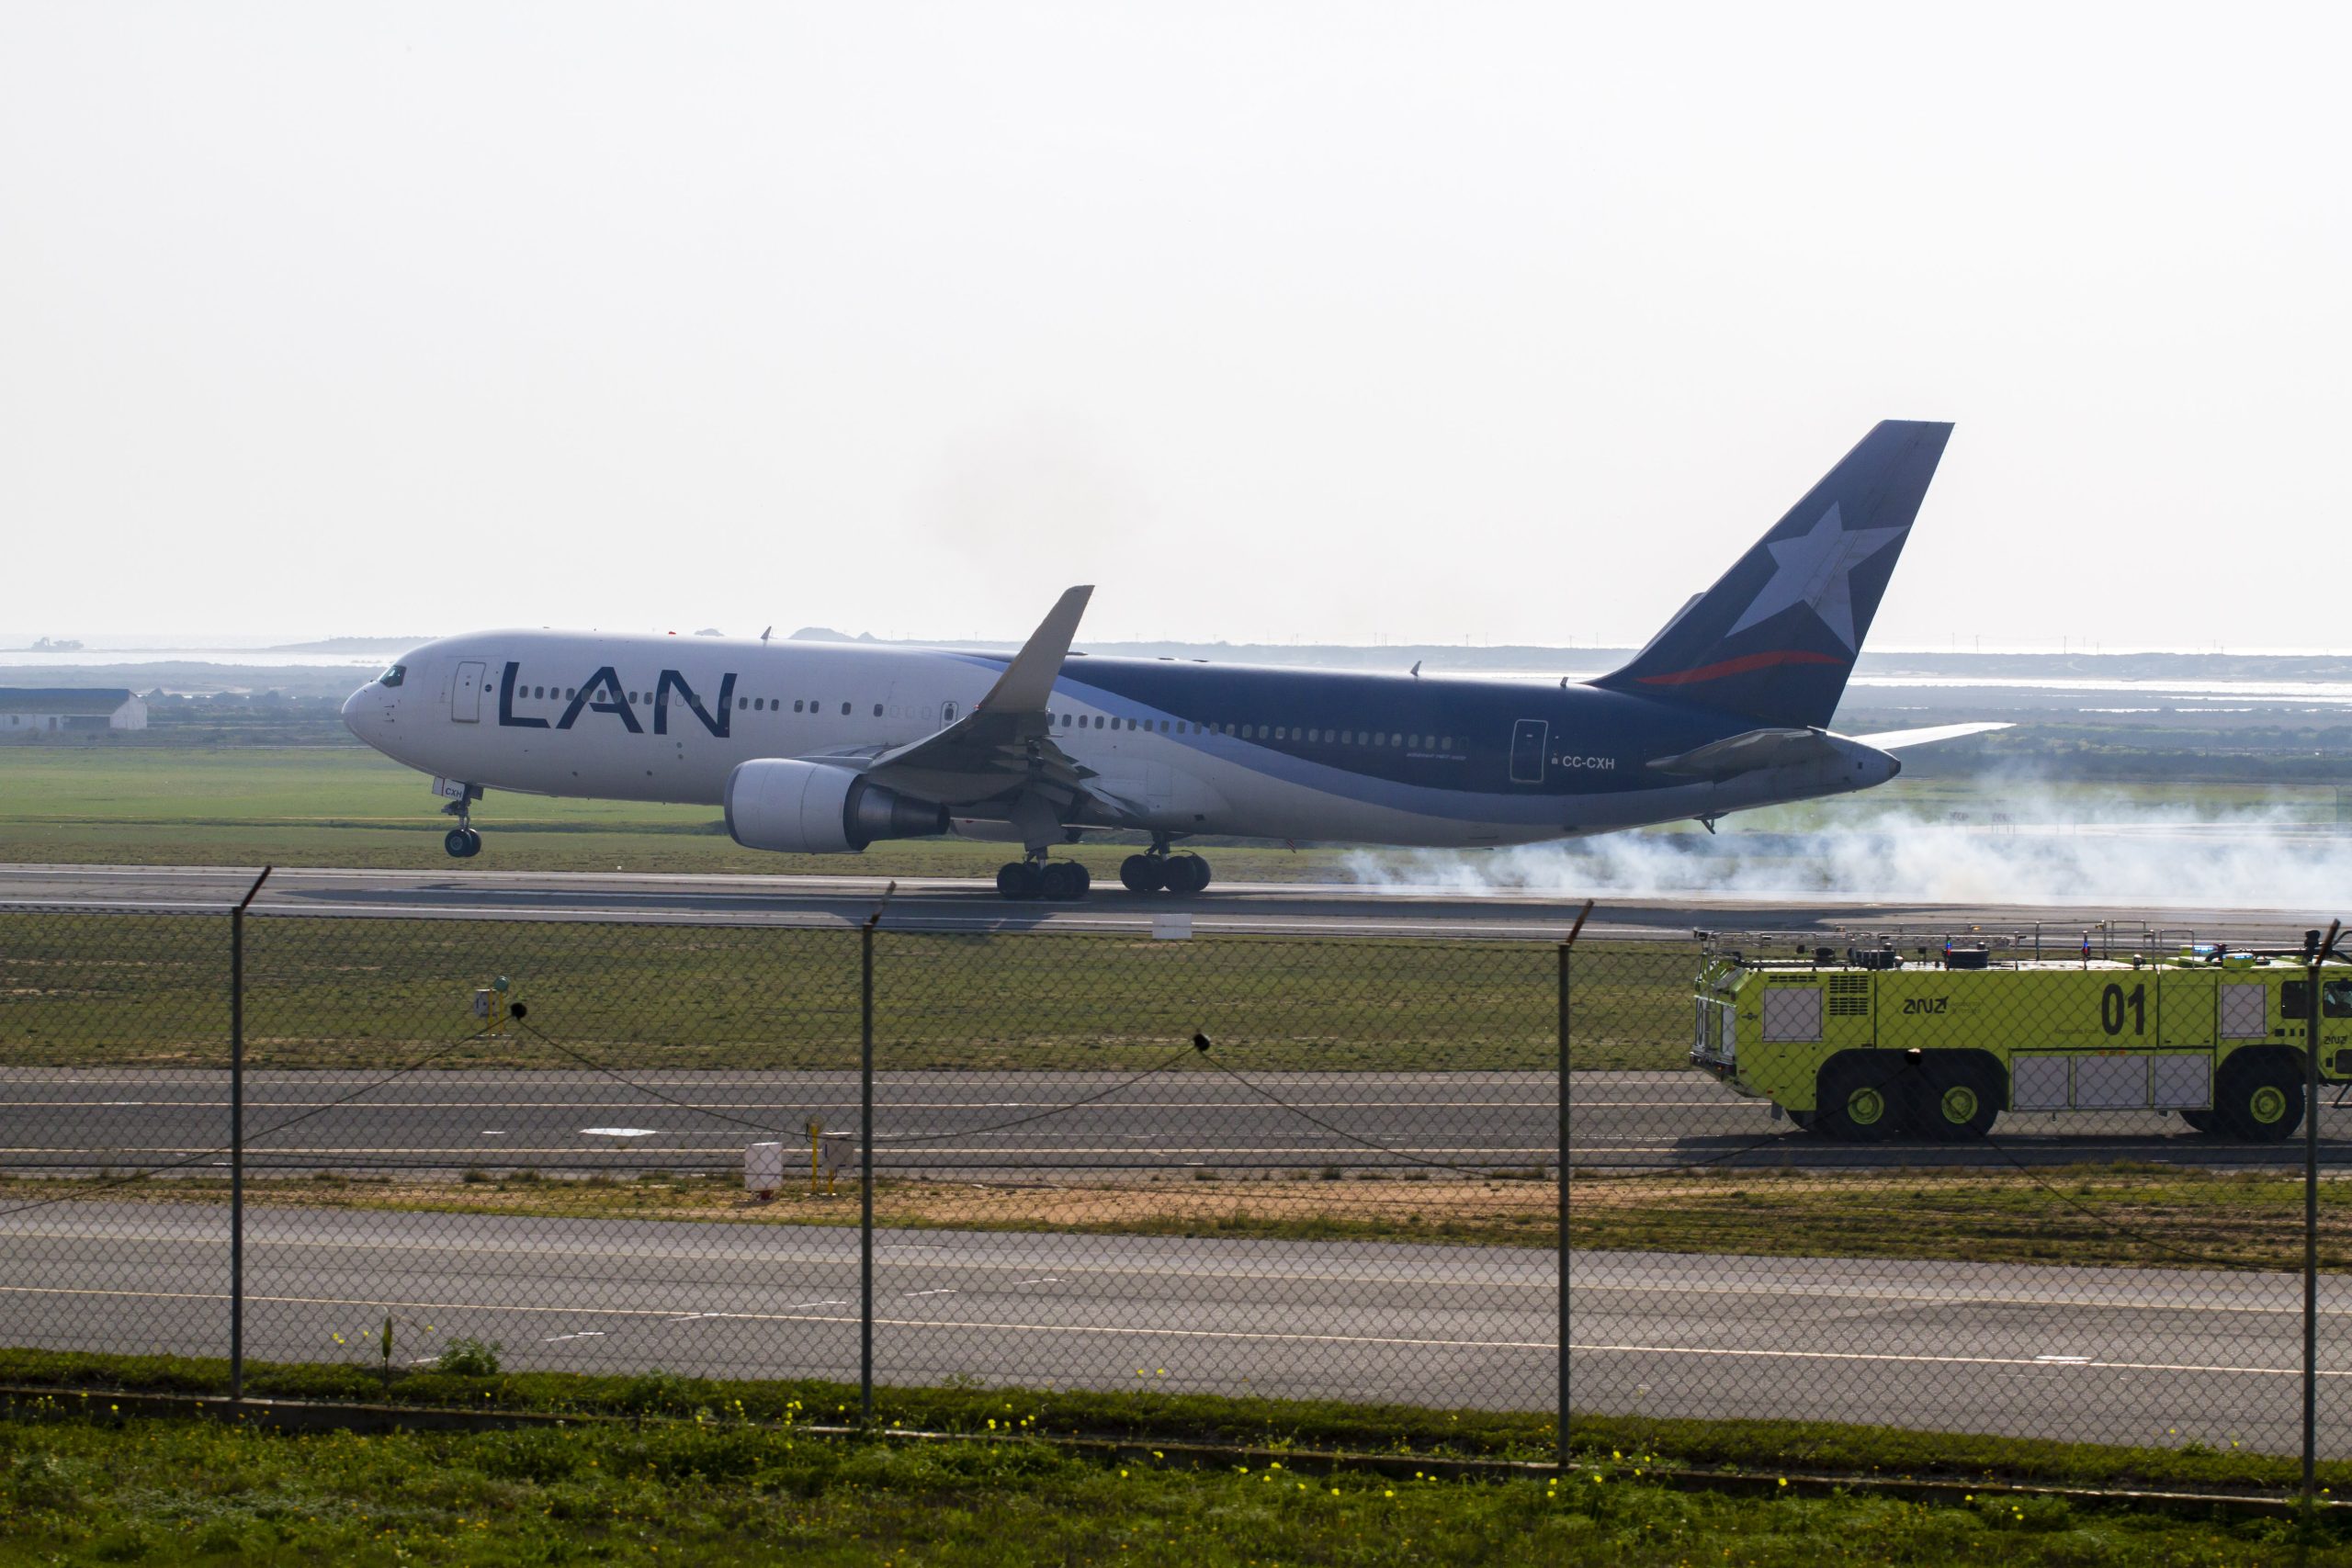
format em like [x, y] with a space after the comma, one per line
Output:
[1876, 1044]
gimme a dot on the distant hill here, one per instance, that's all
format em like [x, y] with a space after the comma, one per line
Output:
[348, 645]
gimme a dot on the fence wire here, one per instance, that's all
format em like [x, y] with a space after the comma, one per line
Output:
[2059, 1201]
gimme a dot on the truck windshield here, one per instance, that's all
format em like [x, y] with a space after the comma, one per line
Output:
[393, 676]
[2335, 1000]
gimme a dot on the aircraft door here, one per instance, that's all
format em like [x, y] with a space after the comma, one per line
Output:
[464, 696]
[1527, 751]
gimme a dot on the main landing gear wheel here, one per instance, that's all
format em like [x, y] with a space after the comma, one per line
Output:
[463, 843]
[1063, 881]
[1176, 873]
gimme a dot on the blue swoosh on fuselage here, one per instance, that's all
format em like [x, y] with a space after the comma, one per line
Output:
[1471, 781]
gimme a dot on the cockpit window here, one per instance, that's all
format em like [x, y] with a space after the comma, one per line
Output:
[393, 676]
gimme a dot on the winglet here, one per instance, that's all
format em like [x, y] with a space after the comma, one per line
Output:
[1028, 681]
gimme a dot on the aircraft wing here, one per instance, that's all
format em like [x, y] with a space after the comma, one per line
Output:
[1003, 746]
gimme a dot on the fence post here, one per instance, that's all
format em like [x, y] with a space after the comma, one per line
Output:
[1561, 1423]
[2319, 952]
[866, 1167]
[237, 1140]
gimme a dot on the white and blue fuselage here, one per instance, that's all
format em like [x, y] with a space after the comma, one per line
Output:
[826, 746]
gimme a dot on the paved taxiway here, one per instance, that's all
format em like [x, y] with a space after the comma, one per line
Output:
[944, 904]
[1003, 1124]
[2114, 1356]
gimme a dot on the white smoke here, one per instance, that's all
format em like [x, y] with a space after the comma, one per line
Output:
[2018, 842]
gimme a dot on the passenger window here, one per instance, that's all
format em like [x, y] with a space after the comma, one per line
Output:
[845, 710]
[742, 703]
[759, 704]
[1414, 742]
[878, 710]
[1445, 743]
[795, 704]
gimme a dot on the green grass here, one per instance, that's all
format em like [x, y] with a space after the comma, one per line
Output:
[81, 1382]
[346, 805]
[163, 1491]
[349, 806]
[152, 992]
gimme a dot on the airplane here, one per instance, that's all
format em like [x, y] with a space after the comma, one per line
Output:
[815, 748]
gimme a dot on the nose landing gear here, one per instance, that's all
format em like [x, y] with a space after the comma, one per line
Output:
[462, 842]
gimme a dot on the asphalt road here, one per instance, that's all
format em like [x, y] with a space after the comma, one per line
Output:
[1300, 908]
[2112, 1356]
[1002, 1124]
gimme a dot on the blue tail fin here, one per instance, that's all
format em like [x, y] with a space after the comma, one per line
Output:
[1775, 638]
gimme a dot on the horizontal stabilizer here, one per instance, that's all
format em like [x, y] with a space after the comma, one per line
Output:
[1895, 740]
[1745, 754]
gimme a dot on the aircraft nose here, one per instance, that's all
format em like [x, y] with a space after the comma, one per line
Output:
[352, 708]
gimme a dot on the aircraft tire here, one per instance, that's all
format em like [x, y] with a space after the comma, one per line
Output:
[1141, 874]
[1057, 880]
[1187, 873]
[1085, 880]
[463, 843]
[1017, 880]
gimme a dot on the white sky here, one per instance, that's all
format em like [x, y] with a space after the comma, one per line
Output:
[1276, 321]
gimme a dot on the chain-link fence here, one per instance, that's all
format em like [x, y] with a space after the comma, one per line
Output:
[1948, 1187]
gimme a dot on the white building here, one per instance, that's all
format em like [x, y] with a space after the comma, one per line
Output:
[63, 708]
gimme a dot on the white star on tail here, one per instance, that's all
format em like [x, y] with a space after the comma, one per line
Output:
[1811, 570]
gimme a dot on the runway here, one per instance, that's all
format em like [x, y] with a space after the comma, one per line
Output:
[2112, 1356]
[1007, 1125]
[1281, 908]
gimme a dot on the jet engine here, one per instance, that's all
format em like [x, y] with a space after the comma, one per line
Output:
[776, 803]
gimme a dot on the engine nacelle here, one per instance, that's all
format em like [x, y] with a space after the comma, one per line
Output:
[775, 803]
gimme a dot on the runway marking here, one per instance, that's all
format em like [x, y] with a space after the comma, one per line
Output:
[910, 1296]
[1890, 1357]
[1236, 1336]
[560, 1338]
[1082, 1329]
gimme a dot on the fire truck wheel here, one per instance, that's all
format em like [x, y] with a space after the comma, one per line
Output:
[1856, 1105]
[2198, 1121]
[1961, 1100]
[2260, 1101]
